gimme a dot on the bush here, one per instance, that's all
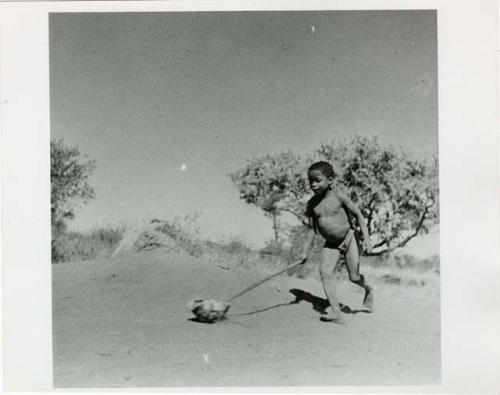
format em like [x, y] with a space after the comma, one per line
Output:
[396, 190]
[69, 177]
[76, 246]
[185, 231]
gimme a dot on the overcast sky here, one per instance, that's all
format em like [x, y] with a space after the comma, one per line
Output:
[168, 104]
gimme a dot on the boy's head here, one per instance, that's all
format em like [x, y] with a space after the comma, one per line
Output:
[320, 176]
[325, 167]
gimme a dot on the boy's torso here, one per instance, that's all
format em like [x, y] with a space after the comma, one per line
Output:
[329, 216]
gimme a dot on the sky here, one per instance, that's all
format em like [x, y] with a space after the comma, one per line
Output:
[169, 104]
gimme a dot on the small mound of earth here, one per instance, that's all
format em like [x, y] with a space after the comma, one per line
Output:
[147, 237]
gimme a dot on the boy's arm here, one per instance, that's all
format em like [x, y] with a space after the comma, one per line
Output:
[308, 222]
[349, 205]
[307, 244]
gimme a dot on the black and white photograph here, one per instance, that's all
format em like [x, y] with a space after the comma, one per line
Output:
[244, 198]
[249, 197]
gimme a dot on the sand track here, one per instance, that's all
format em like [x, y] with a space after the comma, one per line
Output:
[123, 322]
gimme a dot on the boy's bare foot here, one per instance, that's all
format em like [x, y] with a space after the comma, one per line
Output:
[331, 317]
[368, 300]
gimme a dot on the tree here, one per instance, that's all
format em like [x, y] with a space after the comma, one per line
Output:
[396, 190]
[274, 183]
[69, 183]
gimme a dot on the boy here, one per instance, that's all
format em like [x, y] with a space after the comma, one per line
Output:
[327, 215]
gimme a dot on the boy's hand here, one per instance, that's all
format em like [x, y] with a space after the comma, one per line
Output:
[367, 245]
[303, 257]
[302, 260]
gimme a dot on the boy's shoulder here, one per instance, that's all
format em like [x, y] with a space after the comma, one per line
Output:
[314, 200]
[339, 194]
[311, 203]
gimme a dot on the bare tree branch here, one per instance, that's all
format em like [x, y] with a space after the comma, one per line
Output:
[416, 231]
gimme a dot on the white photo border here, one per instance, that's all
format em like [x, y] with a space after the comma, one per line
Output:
[469, 186]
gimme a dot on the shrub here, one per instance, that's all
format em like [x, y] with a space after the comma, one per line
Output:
[185, 231]
[69, 183]
[396, 190]
[76, 246]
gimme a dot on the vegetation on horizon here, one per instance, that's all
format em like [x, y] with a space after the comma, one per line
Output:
[396, 190]
[69, 185]
[73, 246]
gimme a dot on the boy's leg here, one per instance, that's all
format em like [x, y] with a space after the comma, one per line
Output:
[352, 258]
[329, 260]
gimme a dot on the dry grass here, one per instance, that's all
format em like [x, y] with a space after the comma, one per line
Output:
[76, 246]
[398, 270]
[403, 270]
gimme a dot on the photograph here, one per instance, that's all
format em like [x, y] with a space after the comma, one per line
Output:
[244, 198]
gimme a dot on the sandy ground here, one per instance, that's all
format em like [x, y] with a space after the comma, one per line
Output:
[123, 322]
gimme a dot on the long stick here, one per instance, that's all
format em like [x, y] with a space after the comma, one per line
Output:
[264, 280]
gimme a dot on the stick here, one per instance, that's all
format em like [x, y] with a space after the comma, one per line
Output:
[264, 280]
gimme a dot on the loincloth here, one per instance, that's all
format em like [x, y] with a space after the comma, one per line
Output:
[343, 246]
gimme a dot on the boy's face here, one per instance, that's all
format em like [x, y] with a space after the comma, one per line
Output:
[318, 182]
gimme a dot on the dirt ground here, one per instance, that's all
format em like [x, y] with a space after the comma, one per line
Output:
[123, 322]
